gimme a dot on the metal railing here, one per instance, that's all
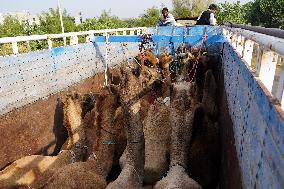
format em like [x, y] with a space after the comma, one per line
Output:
[72, 35]
[264, 56]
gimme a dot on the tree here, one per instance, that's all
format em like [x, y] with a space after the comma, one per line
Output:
[189, 8]
[50, 22]
[11, 27]
[88, 24]
[231, 12]
[149, 19]
[267, 13]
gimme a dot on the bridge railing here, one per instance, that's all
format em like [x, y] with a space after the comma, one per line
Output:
[264, 56]
[72, 36]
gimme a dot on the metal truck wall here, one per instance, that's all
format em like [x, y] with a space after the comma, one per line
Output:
[258, 128]
[26, 78]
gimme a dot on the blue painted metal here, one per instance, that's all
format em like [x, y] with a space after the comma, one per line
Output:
[258, 129]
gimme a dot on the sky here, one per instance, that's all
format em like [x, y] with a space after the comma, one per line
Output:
[89, 8]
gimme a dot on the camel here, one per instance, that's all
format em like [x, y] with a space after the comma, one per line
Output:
[157, 130]
[93, 172]
[135, 84]
[107, 117]
[181, 120]
[204, 155]
[32, 171]
[148, 58]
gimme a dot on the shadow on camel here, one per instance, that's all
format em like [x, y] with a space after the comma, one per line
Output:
[93, 172]
[107, 129]
[135, 83]
[32, 171]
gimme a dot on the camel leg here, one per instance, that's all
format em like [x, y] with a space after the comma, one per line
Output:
[131, 175]
[181, 122]
[157, 131]
[209, 94]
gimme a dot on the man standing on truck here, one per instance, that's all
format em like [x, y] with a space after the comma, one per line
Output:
[167, 18]
[207, 17]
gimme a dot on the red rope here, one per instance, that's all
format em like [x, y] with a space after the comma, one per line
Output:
[195, 65]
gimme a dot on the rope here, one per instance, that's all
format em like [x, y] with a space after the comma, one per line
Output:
[107, 131]
[195, 65]
[108, 142]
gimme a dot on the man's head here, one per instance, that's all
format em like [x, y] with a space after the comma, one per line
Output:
[213, 8]
[165, 12]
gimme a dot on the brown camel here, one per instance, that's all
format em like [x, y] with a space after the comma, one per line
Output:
[135, 84]
[181, 120]
[93, 172]
[32, 171]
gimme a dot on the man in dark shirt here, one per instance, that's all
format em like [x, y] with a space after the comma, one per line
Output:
[207, 17]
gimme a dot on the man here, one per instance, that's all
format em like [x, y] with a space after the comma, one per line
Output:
[167, 18]
[207, 17]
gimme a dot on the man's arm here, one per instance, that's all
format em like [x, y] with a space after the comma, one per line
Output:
[170, 19]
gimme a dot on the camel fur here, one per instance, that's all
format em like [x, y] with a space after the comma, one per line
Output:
[32, 171]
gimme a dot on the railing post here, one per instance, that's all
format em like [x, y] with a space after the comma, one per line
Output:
[64, 41]
[234, 40]
[280, 88]
[268, 68]
[124, 32]
[15, 48]
[74, 40]
[144, 30]
[247, 52]
[131, 32]
[240, 44]
[138, 32]
[258, 59]
[89, 38]
[49, 42]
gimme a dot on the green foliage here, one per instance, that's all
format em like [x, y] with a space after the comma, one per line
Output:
[88, 24]
[50, 22]
[267, 13]
[189, 8]
[11, 27]
[149, 19]
[231, 12]
[105, 21]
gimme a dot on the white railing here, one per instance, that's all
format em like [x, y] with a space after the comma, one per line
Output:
[73, 36]
[264, 56]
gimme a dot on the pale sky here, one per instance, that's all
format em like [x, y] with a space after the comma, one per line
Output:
[89, 8]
